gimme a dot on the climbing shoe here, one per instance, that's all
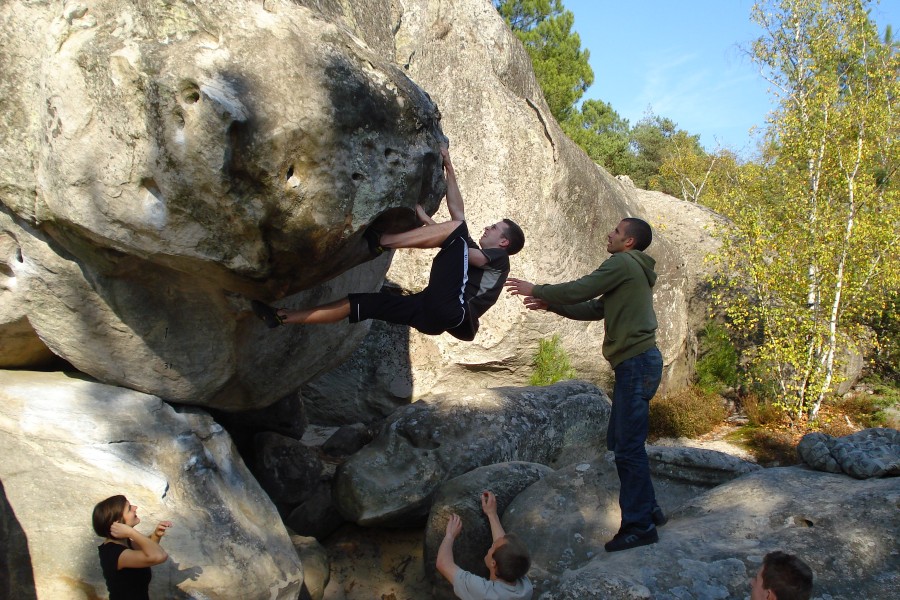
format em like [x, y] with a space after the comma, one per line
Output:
[632, 537]
[373, 239]
[267, 314]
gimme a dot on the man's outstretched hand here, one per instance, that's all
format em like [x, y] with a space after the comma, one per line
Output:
[532, 303]
[519, 287]
[489, 503]
[454, 526]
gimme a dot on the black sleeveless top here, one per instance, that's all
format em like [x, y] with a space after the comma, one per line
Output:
[123, 584]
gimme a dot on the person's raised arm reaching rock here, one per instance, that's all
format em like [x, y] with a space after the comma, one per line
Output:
[507, 561]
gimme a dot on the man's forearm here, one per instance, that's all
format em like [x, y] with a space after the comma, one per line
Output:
[445, 564]
[591, 310]
[496, 528]
[609, 275]
[454, 196]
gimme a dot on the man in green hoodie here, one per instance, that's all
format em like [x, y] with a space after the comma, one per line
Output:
[620, 293]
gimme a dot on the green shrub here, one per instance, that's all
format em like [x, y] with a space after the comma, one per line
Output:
[551, 363]
[688, 413]
[870, 408]
[717, 367]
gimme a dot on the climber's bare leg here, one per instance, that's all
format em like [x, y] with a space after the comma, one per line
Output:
[326, 313]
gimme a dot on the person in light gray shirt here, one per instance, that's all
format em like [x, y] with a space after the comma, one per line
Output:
[507, 561]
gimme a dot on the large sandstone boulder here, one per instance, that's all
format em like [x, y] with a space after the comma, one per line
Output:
[513, 160]
[161, 163]
[66, 443]
[392, 481]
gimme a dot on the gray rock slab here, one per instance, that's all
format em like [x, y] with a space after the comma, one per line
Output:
[868, 453]
[316, 517]
[288, 470]
[845, 529]
[691, 465]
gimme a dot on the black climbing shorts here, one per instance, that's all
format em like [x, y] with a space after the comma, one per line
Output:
[437, 308]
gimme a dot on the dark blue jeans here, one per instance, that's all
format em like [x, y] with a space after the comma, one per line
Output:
[637, 380]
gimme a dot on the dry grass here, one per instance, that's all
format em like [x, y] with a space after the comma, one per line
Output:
[771, 435]
[688, 413]
[770, 447]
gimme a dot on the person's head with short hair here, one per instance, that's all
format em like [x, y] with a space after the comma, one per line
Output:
[107, 512]
[515, 235]
[640, 230]
[782, 576]
[508, 558]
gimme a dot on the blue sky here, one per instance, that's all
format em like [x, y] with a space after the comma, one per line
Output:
[685, 61]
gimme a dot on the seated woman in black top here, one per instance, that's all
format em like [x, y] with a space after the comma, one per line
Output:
[126, 555]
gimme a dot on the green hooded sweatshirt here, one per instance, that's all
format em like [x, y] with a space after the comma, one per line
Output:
[619, 292]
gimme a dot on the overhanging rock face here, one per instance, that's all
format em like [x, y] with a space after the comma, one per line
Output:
[161, 163]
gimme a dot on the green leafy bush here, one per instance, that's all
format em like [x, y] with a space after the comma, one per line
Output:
[875, 406]
[551, 363]
[688, 413]
[717, 367]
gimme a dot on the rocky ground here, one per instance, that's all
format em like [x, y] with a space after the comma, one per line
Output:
[387, 564]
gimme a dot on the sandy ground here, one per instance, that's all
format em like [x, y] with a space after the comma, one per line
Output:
[376, 564]
[714, 440]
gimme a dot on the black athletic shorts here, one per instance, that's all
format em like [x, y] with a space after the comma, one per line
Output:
[438, 307]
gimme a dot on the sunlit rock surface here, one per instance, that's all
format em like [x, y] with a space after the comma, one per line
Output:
[67, 443]
[163, 163]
